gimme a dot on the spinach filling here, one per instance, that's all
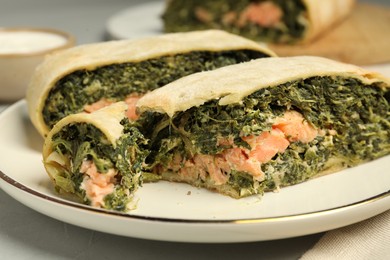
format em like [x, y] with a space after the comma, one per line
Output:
[116, 81]
[82, 141]
[199, 15]
[355, 119]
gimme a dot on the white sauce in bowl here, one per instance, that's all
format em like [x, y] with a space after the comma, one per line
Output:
[19, 42]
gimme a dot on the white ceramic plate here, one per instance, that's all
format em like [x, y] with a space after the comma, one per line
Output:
[178, 212]
[138, 21]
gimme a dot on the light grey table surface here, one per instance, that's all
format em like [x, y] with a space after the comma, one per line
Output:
[26, 234]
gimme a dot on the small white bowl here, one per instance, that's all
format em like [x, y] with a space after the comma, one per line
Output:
[21, 50]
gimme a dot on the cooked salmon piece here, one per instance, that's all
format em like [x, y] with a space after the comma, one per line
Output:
[240, 160]
[203, 15]
[130, 100]
[295, 127]
[265, 14]
[212, 165]
[267, 145]
[96, 184]
[97, 105]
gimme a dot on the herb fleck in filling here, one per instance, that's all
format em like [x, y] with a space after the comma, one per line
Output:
[354, 118]
[116, 81]
[228, 15]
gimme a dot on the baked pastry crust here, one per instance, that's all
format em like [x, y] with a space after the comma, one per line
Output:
[324, 14]
[232, 83]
